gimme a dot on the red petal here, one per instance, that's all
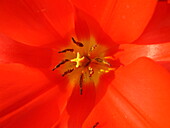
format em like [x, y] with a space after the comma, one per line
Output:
[59, 13]
[18, 86]
[158, 52]
[17, 83]
[129, 19]
[158, 30]
[82, 29]
[12, 51]
[138, 98]
[42, 112]
[123, 20]
[26, 22]
[86, 27]
[28, 98]
[78, 107]
[95, 8]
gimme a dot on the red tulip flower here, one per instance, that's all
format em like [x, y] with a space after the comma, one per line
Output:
[112, 69]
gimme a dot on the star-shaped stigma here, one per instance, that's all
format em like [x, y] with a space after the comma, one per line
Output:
[78, 59]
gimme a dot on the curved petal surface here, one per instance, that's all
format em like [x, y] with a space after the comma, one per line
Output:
[158, 29]
[41, 112]
[158, 52]
[78, 107]
[123, 20]
[18, 85]
[59, 13]
[15, 52]
[26, 21]
[87, 29]
[28, 98]
[137, 98]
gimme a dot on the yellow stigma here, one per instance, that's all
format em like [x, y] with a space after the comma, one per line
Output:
[78, 59]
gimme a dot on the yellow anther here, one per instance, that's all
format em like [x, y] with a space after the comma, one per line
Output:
[93, 47]
[109, 57]
[105, 62]
[78, 59]
[90, 68]
[106, 71]
[111, 69]
[91, 71]
[102, 70]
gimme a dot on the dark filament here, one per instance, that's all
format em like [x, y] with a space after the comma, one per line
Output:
[81, 84]
[68, 71]
[99, 60]
[102, 61]
[65, 50]
[97, 123]
[77, 43]
[62, 62]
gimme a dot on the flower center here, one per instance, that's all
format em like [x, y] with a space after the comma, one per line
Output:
[85, 62]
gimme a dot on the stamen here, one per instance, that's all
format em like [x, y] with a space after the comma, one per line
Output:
[93, 47]
[107, 63]
[91, 71]
[109, 57]
[77, 60]
[106, 71]
[65, 50]
[99, 60]
[68, 71]
[77, 43]
[81, 83]
[97, 123]
[62, 62]
[102, 61]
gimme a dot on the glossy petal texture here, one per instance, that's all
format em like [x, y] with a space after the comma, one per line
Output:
[158, 29]
[29, 22]
[115, 16]
[24, 98]
[137, 98]
[17, 89]
[12, 51]
[59, 13]
[158, 52]
[87, 27]
[78, 107]
[27, 102]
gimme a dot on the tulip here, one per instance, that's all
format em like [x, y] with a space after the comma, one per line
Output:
[127, 86]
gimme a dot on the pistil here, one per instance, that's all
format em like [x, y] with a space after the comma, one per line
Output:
[78, 59]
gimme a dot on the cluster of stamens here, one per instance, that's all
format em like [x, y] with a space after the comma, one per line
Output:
[89, 63]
